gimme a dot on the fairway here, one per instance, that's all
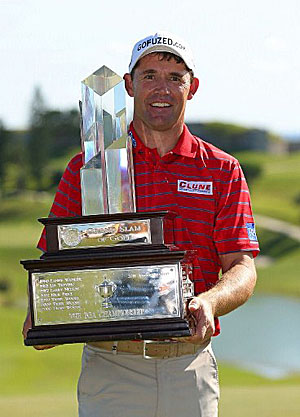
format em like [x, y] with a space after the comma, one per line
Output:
[266, 401]
[43, 384]
[39, 405]
[235, 402]
[275, 192]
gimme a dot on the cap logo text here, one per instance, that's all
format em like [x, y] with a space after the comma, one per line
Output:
[159, 40]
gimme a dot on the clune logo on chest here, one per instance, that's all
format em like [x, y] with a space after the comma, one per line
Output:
[195, 187]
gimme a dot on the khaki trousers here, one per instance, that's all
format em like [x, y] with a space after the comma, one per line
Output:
[128, 385]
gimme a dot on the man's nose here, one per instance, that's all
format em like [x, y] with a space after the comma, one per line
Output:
[162, 86]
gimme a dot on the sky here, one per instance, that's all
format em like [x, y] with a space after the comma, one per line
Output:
[247, 54]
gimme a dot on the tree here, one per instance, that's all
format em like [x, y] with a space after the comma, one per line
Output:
[52, 133]
[230, 137]
[38, 142]
[4, 136]
[37, 107]
[63, 127]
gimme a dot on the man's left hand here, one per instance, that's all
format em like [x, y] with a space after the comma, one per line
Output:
[201, 310]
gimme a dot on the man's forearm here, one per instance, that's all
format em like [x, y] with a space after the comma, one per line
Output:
[233, 289]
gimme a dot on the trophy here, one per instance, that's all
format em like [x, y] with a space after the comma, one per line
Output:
[112, 273]
[106, 290]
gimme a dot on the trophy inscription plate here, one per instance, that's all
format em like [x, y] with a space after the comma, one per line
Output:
[107, 294]
[89, 235]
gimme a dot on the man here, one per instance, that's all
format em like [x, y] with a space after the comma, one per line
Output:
[206, 188]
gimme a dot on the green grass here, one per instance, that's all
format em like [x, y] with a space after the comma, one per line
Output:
[276, 245]
[59, 404]
[25, 209]
[19, 233]
[43, 383]
[26, 370]
[231, 376]
[268, 401]
[244, 394]
[235, 402]
[17, 241]
[282, 276]
[61, 162]
[274, 193]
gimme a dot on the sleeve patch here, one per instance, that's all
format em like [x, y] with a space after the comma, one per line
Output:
[251, 232]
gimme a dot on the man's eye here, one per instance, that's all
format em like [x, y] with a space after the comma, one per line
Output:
[149, 77]
[175, 78]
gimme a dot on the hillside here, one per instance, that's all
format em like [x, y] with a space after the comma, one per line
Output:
[276, 192]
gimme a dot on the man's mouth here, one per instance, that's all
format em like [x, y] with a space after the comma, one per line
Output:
[160, 105]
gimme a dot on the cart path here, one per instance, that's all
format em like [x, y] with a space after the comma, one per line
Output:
[279, 226]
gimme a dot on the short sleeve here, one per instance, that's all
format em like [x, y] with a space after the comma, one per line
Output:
[234, 224]
[67, 200]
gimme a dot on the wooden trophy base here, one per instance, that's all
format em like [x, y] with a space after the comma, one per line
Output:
[112, 293]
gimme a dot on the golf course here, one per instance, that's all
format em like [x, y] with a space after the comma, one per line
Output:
[43, 383]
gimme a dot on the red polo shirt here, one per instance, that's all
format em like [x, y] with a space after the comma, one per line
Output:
[202, 184]
[207, 189]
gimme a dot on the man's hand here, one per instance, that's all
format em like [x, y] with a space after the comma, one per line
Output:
[231, 291]
[201, 309]
[26, 326]
[203, 318]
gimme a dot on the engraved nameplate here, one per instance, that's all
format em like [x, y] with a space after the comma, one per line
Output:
[103, 234]
[101, 295]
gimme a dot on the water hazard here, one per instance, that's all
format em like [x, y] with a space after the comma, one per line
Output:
[263, 336]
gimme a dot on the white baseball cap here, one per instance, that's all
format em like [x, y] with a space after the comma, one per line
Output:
[162, 42]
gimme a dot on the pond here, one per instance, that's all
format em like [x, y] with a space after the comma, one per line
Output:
[263, 336]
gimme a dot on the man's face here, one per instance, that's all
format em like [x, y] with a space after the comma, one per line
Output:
[160, 89]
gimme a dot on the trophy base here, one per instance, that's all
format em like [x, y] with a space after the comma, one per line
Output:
[97, 296]
[108, 277]
[130, 330]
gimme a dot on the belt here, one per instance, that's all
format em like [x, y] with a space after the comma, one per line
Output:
[150, 348]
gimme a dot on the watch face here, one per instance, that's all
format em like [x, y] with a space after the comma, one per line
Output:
[71, 237]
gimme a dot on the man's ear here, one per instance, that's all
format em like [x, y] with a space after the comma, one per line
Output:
[128, 84]
[193, 88]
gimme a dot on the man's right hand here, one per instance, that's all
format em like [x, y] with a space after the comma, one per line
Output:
[26, 326]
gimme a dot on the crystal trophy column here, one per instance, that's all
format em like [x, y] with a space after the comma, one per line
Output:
[107, 175]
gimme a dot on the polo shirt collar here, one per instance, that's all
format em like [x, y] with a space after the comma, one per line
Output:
[186, 146]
